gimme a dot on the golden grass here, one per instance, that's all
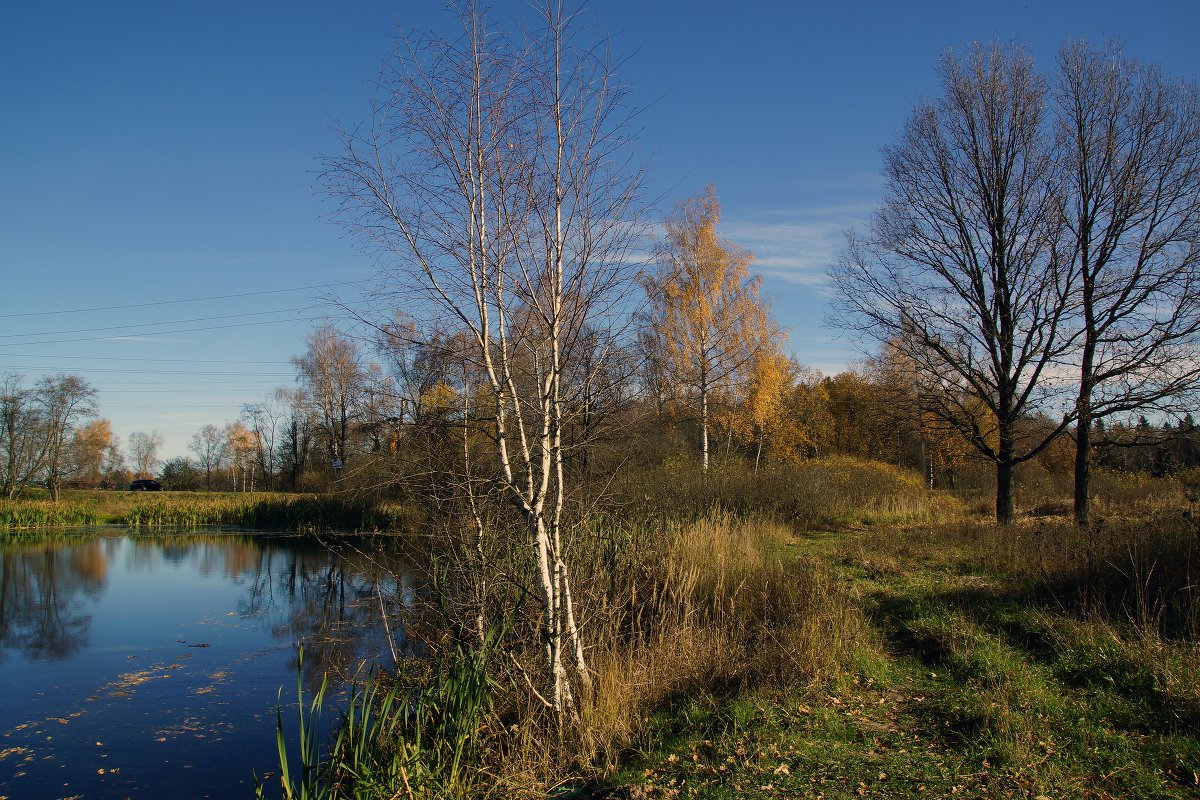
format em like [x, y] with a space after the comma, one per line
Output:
[264, 510]
[711, 606]
[824, 492]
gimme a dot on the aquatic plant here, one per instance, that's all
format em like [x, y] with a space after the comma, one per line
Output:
[413, 735]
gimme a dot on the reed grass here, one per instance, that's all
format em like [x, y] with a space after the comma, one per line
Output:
[672, 609]
[720, 606]
[416, 735]
[191, 509]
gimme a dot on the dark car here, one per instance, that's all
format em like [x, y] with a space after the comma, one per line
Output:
[145, 485]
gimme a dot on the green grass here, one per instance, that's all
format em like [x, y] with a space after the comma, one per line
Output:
[981, 677]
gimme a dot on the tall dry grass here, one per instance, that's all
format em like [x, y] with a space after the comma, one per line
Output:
[715, 605]
[827, 492]
[669, 610]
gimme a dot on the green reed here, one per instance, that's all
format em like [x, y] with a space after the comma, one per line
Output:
[412, 735]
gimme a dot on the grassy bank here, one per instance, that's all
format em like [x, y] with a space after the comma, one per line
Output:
[717, 606]
[994, 663]
[839, 491]
[263, 510]
[829, 631]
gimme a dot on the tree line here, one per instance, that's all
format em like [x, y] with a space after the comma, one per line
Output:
[1033, 228]
[49, 437]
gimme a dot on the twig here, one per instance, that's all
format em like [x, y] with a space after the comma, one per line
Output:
[529, 682]
[386, 628]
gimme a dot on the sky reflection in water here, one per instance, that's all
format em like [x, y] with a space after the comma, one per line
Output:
[150, 666]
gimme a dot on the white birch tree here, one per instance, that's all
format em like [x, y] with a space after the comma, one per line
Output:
[495, 177]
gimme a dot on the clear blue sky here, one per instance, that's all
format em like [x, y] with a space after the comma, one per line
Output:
[161, 151]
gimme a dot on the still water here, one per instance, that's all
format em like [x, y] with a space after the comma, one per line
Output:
[150, 666]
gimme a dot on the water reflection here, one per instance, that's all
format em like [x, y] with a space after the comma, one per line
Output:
[331, 596]
[43, 590]
[172, 649]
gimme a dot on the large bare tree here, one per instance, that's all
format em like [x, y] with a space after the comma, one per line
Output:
[267, 417]
[962, 270]
[1128, 138]
[495, 178]
[143, 450]
[22, 444]
[208, 445]
[335, 383]
[64, 400]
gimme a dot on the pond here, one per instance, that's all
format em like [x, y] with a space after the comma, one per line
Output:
[150, 666]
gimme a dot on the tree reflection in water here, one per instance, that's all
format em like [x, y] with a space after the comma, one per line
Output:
[43, 593]
[337, 594]
[331, 596]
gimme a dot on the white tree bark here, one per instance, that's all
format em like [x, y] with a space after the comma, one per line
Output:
[494, 172]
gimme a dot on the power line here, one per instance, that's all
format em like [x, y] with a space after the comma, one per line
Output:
[152, 324]
[167, 372]
[174, 406]
[266, 385]
[168, 391]
[152, 360]
[188, 300]
[117, 337]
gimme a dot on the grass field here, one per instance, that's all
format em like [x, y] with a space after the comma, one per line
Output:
[993, 666]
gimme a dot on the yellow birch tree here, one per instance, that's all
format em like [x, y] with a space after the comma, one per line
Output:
[706, 320]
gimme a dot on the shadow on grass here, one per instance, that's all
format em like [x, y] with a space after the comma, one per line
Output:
[935, 630]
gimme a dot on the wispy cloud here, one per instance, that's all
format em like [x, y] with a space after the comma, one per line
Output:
[796, 245]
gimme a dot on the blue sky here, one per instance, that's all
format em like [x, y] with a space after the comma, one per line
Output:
[158, 152]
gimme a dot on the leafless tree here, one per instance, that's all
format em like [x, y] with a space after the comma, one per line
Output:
[298, 435]
[21, 428]
[208, 444]
[335, 382]
[143, 450]
[495, 174]
[267, 418]
[963, 269]
[64, 400]
[1129, 142]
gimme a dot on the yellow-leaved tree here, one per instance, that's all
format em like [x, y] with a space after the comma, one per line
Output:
[706, 321]
[771, 375]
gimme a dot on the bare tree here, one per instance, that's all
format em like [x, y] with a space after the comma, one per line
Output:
[297, 438]
[963, 270]
[64, 399]
[1129, 142]
[143, 449]
[335, 382]
[266, 419]
[21, 428]
[208, 444]
[495, 171]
